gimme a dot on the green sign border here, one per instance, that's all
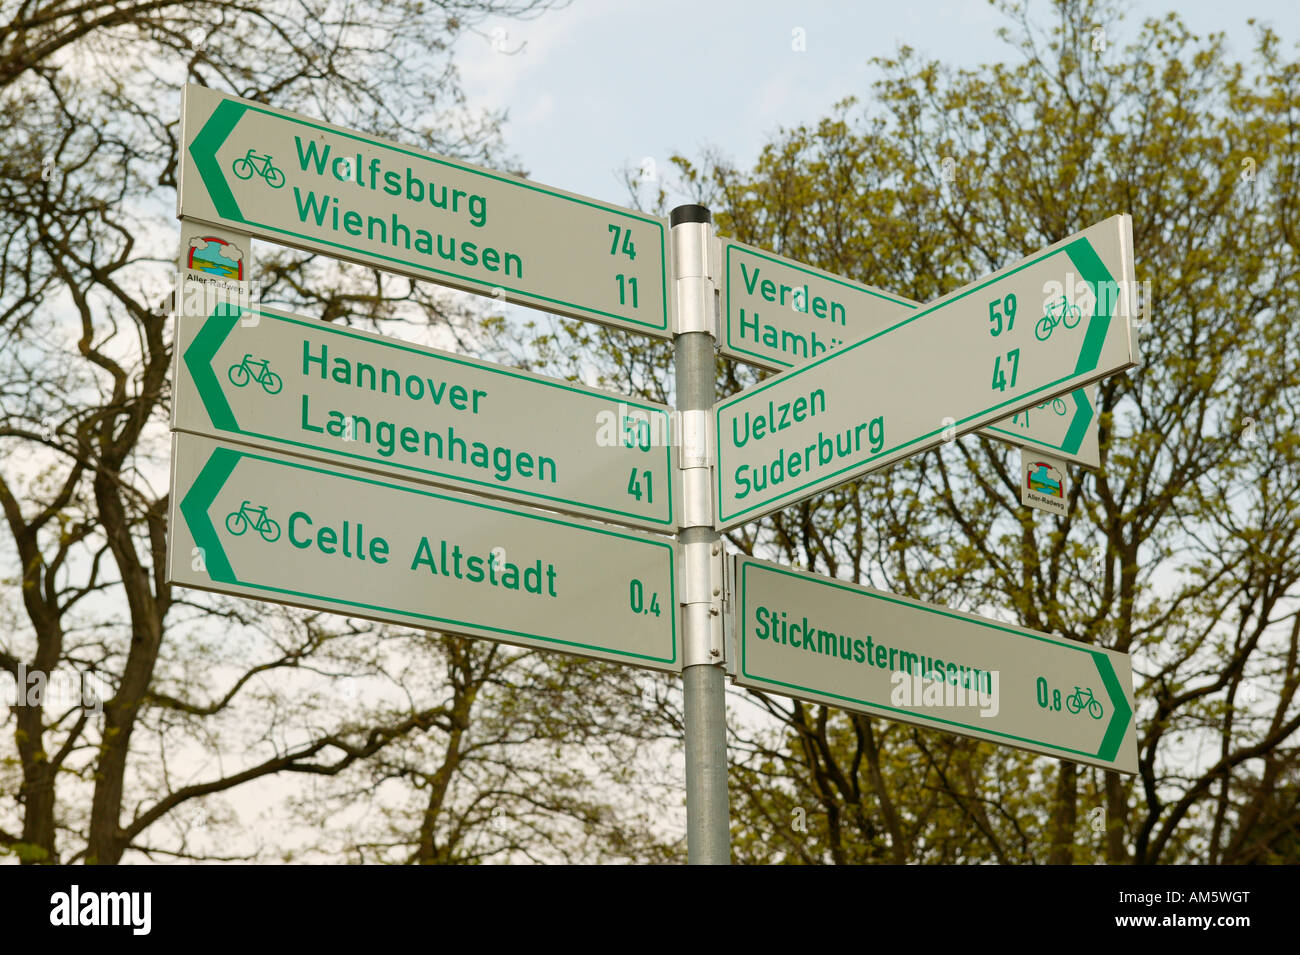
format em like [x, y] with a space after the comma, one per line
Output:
[218, 127]
[1091, 269]
[218, 326]
[221, 464]
[1121, 712]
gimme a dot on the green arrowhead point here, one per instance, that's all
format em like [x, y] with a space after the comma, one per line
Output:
[1120, 712]
[1104, 292]
[198, 359]
[1083, 415]
[195, 508]
[204, 150]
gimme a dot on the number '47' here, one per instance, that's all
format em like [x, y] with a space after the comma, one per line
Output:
[999, 376]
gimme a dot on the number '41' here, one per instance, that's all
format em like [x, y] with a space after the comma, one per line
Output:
[635, 485]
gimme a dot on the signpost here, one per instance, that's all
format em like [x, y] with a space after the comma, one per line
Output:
[827, 641]
[289, 383]
[299, 182]
[994, 348]
[779, 314]
[272, 527]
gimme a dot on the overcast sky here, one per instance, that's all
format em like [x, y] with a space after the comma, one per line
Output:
[606, 84]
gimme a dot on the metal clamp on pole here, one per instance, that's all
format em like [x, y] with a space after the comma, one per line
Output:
[695, 459]
[695, 330]
[695, 257]
[701, 588]
[701, 583]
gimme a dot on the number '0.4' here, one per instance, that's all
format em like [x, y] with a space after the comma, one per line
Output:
[636, 598]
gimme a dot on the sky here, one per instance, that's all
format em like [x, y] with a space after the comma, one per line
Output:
[604, 85]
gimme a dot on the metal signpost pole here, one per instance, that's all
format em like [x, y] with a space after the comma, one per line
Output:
[708, 832]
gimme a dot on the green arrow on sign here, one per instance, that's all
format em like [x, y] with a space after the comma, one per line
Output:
[198, 359]
[1120, 712]
[1094, 272]
[195, 507]
[204, 150]
[1083, 415]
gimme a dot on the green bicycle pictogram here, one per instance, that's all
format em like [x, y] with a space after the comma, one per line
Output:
[255, 517]
[1046, 324]
[251, 162]
[1022, 417]
[251, 369]
[1076, 701]
[1057, 405]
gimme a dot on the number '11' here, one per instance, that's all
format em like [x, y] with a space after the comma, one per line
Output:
[624, 284]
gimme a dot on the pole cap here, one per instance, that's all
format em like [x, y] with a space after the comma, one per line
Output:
[690, 213]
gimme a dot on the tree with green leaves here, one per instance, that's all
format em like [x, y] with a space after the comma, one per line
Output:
[1182, 550]
[206, 709]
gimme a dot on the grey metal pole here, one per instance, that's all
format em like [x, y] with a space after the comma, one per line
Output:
[708, 824]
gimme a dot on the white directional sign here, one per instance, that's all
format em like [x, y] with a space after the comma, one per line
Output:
[265, 525]
[1001, 345]
[293, 180]
[779, 314]
[285, 382]
[827, 641]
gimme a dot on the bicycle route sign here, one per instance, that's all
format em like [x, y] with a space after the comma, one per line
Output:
[827, 641]
[779, 314]
[1044, 482]
[302, 183]
[288, 383]
[273, 527]
[968, 359]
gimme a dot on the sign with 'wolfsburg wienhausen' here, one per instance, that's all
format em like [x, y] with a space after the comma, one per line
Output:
[274, 527]
[954, 366]
[827, 641]
[302, 183]
[289, 383]
[779, 313]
